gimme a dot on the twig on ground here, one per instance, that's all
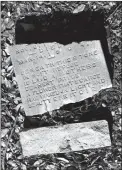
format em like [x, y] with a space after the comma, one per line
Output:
[114, 11]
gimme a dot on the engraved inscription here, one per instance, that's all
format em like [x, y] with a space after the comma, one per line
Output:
[50, 75]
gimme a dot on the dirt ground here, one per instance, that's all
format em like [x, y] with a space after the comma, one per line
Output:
[12, 113]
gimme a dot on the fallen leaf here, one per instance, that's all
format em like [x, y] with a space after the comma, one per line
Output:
[17, 100]
[8, 155]
[23, 167]
[9, 68]
[3, 27]
[8, 61]
[8, 124]
[3, 144]
[63, 159]
[37, 163]
[80, 8]
[19, 106]
[4, 132]
[6, 20]
[12, 163]
[7, 83]
[10, 24]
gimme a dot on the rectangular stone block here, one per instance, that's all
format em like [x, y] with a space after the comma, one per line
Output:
[50, 75]
[66, 138]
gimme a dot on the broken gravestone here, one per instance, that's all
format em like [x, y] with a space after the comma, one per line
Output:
[63, 58]
[51, 75]
[66, 138]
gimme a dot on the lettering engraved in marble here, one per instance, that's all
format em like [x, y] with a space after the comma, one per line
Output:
[51, 74]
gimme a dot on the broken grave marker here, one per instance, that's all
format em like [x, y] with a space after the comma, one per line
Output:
[50, 75]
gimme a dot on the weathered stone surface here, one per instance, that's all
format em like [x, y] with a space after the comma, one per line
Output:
[66, 138]
[50, 75]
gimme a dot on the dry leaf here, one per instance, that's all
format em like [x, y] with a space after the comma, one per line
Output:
[4, 132]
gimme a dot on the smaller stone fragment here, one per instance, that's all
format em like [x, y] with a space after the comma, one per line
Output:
[66, 138]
